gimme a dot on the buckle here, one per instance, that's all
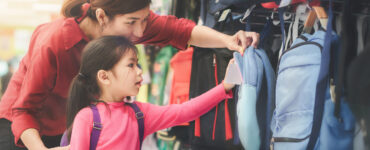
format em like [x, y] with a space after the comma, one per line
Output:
[139, 115]
[97, 125]
[287, 139]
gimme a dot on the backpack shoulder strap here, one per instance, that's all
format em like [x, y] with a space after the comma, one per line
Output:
[322, 83]
[140, 120]
[97, 126]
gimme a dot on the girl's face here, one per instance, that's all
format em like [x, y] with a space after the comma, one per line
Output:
[131, 25]
[125, 77]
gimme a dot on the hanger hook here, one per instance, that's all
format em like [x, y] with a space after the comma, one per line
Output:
[246, 14]
[308, 6]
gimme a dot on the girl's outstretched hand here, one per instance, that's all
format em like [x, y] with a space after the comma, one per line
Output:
[228, 86]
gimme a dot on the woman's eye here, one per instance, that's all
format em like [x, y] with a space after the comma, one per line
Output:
[131, 23]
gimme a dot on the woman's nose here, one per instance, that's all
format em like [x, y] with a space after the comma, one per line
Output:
[139, 31]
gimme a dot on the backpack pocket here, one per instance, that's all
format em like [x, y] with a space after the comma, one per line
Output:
[337, 133]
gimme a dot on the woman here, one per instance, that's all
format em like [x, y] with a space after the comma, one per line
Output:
[33, 107]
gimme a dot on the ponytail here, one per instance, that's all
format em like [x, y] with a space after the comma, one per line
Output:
[80, 96]
[72, 8]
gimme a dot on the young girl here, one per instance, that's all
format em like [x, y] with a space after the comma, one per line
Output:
[109, 73]
[32, 110]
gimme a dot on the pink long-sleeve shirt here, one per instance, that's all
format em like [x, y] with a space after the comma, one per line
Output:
[120, 127]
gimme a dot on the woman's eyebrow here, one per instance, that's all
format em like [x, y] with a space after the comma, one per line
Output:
[134, 18]
[137, 18]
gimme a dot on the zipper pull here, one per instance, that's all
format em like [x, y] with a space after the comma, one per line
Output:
[214, 60]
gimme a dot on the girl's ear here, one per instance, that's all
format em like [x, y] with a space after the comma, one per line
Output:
[103, 77]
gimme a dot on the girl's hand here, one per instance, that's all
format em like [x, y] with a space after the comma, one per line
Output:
[228, 86]
[241, 40]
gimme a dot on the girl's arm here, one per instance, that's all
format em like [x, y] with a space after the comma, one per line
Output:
[160, 117]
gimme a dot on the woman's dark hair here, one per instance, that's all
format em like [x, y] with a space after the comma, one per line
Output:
[100, 54]
[72, 8]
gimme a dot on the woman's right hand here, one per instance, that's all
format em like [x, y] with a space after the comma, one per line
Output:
[228, 86]
[32, 140]
[60, 148]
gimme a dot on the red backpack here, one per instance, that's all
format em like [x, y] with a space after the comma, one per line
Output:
[181, 65]
[272, 5]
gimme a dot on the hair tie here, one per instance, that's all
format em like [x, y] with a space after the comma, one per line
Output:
[82, 75]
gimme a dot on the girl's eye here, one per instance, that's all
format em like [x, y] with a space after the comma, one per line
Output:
[131, 65]
[139, 66]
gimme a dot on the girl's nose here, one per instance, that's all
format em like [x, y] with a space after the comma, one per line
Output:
[139, 71]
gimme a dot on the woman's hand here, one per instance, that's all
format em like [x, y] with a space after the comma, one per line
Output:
[228, 86]
[241, 40]
[60, 148]
[32, 140]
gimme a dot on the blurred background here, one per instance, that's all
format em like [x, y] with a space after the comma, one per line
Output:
[18, 19]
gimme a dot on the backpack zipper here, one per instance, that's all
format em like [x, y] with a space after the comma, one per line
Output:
[295, 46]
[216, 81]
[228, 130]
[214, 60]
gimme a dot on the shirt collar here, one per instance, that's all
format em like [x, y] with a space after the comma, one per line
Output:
[72, 33]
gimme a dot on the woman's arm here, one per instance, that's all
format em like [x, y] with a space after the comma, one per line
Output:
[37, 83]
[169, 30]
[32, 140]
[203, 36]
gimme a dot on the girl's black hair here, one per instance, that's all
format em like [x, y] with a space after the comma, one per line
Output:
[100, 54]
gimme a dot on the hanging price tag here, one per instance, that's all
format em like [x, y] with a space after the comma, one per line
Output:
[233, 74]
[224, 15]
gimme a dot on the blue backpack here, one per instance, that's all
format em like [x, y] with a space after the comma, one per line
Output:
[297, 75]
[304, 115]
[255, 98]
[333, 121]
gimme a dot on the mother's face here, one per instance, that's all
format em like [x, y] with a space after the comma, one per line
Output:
[130, 25]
